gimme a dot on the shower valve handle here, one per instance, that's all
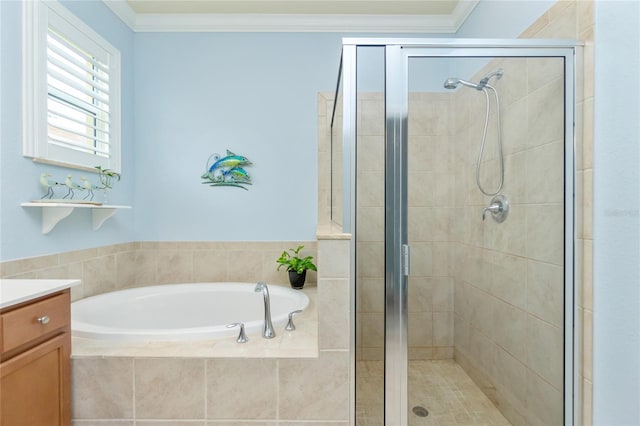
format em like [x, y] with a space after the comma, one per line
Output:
[493, 208]
[499, 208]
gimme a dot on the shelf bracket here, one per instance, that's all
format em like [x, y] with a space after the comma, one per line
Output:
[100, 216]
[52, 215]
[54, 212]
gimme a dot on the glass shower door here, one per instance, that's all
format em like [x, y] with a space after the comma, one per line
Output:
[477, 317]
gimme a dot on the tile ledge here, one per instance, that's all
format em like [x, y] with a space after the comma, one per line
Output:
[331, 232]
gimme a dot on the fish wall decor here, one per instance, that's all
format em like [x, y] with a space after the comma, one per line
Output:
[227, 171]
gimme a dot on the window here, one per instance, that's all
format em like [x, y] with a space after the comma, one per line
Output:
[71, 90]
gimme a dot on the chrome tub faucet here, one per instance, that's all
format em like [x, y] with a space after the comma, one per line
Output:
[268, 331]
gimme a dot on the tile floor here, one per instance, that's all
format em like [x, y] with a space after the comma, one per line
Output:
[441, 386]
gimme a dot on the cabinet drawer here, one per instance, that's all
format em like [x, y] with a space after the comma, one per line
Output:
[35, 320]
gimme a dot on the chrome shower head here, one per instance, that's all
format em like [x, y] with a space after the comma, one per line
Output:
[498, 74]
[452, 83]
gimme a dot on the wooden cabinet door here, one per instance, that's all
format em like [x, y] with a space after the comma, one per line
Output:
[35, 385]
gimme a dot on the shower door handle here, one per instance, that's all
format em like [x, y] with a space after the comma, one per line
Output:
[406, 260]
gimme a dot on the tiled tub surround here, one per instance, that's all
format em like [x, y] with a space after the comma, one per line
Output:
[137, 264]
[112, 389]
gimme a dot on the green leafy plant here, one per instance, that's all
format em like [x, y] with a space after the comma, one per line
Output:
[106, 176]
[293, 262]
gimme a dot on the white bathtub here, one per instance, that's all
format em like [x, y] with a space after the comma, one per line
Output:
[181, 311]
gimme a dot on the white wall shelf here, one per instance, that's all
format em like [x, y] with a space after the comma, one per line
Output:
[52, 213]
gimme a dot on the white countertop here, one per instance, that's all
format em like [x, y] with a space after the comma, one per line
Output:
[13, 292]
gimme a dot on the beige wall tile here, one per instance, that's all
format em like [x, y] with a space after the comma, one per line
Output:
[587, 214]
[587, 403]
[419, 353]
[371, 153]
[32, 264]
[587, 345]
[545, 173]
[333, 258]
[510, 329]
[102, 388]
[77, 256]
[210, 266]
[587, 275]
[544, 402]
[370, 259]
[545, 233]
[546, 114]
[372, 117]
[442, 294]
[372, 330]
[421, 259]
[545, 351]
[333, 314]
[102, 423]
[169, 388]
[443, 352]
[301, 387]
[545, 292]
[442, 329]
[511, 379]
[242, 388]
[508, 278]
[146, 268]
[587, 134]
[480, 310]
[371, 294]
[232, 423]
[125, 269]
[98, 275]
[370, 189]
[370, 224]
[562, 21]
[421, 329]
[175, 267]
[244, 266]
[64, 271]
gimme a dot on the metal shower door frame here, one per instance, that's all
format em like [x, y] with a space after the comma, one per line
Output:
[398, 52]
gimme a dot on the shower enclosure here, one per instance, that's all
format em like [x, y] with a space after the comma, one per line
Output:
[446, 279]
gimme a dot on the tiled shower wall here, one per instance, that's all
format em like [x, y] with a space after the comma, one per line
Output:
[430, 218]
[509, 281]
[500, 369]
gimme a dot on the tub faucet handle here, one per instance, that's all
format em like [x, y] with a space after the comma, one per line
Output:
[290, 325]
[242, 337]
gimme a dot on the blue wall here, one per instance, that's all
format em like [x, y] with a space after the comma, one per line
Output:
[255, 94]
[616, 238]
[20, 228]
[186, 96]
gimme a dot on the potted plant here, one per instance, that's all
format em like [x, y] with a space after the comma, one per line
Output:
[296, 265]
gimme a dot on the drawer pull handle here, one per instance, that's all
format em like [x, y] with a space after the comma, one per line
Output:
[44, 319]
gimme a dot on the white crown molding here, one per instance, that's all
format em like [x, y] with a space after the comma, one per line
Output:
[422, 24]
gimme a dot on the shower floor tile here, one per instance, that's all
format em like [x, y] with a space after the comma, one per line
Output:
[440, 386]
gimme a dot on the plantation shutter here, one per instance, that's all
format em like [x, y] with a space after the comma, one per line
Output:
[78, 108]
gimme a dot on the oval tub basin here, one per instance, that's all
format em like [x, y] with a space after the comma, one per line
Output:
[181, 311]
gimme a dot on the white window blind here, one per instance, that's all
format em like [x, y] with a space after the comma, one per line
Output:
[77, 117]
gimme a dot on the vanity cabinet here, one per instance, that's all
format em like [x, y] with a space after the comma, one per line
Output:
[35, 349]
